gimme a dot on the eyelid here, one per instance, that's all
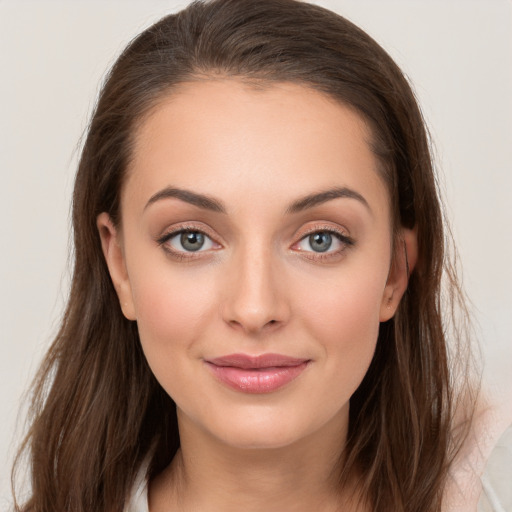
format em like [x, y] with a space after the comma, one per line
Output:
[340, 233]
[174, 231]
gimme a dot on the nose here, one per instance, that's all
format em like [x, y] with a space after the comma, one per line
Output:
[255, 295]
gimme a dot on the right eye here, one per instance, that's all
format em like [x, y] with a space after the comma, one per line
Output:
[187, 241]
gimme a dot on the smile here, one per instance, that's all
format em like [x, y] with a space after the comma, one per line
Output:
[260, 374]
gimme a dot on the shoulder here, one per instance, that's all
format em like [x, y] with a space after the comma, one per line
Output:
[496, 489]
[482, 462]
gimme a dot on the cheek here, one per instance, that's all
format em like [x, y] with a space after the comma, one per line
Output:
[344, 316]
[169, 305]
[173, 313]
[346, 301]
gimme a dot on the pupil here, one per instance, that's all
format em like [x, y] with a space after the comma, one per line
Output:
[320, 242]
[192, 241]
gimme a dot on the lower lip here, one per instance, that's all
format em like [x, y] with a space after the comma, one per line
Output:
[262, 380]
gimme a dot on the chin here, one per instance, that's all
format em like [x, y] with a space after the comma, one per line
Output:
[272, 428]
[270, 438]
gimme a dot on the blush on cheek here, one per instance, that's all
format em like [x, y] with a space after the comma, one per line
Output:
[347, 305]
[347, 323]
[171, 303]
[173, 314]
[166, 334]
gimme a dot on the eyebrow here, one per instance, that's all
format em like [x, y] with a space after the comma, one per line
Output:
[209, 203]
[319, 198]
[200, 200]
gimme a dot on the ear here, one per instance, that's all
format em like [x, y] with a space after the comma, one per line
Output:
[114, 257]
[404, 260]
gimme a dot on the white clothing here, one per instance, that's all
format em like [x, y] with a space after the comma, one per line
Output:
[138, 501]
[497, 477]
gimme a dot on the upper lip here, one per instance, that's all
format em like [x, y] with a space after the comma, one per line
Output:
[245, 361]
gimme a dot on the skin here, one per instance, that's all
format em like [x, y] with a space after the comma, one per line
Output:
[257, 286]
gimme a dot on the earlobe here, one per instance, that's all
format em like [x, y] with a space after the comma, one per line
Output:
[404, 260]
[114, 257]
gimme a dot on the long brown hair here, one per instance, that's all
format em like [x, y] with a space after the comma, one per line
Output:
[97, 410]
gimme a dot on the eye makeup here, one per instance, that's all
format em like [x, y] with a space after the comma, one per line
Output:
[323, 242]
[188, 242]
[320, 242]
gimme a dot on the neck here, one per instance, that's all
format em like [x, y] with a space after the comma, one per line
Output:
[207, 474]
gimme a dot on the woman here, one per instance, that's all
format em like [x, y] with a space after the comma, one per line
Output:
[255, 318]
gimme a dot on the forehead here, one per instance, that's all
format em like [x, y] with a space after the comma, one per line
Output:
[225, 137]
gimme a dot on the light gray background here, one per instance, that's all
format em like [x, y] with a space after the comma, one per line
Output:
[53, 55]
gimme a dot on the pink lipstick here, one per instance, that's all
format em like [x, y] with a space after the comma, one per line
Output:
[256, 374]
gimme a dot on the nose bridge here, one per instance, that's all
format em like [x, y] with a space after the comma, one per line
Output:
[255, 299]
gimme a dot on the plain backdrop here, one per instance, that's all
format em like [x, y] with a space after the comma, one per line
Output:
[53, 55]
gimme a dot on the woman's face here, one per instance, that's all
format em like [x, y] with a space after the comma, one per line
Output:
[255, 256]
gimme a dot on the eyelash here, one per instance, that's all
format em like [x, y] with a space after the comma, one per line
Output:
[345, 240]
[182, 255]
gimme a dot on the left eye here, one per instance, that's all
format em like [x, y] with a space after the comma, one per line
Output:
[189, 241]
[321, 241]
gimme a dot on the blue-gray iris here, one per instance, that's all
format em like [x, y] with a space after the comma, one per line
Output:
[320, 242]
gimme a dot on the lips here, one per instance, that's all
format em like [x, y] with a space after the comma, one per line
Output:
[256, 374]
